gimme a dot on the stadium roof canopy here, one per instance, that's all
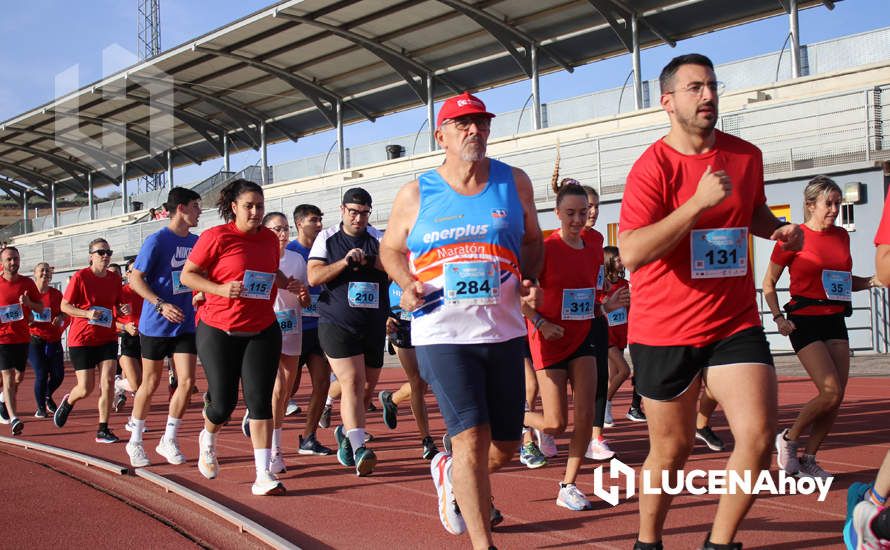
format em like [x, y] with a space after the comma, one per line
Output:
[292, 69]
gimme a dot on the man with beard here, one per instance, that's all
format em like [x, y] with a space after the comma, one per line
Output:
[471, 229]
[691, 200]
[18, 297]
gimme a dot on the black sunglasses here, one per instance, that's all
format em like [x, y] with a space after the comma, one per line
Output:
[103, 252]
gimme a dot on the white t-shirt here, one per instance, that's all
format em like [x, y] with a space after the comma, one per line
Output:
[291, 265]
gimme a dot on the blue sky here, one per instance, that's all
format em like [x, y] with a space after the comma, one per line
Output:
[40, 39]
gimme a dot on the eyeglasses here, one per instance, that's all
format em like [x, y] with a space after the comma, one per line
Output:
[463, 123]
[102, 252]
[353, 213]
[281, 229]
[697, 88]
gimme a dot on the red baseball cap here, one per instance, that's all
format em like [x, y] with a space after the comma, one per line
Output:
[461, 105]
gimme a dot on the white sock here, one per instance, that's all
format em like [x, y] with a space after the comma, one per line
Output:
[276, 438]
[207, 438]
[329, 401]
[261, 459]
[172, 428]
[356, 438]
[138, 427]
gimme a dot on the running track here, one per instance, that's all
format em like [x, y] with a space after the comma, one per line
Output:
[327, 506]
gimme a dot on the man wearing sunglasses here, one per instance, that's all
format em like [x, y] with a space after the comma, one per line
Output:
[352, 312]
[691, 202]
[464, 245]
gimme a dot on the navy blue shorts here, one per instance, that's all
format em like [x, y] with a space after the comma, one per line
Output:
[477, 384]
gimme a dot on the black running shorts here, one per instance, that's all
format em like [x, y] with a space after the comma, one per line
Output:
[89, 357]
[339, 343]
[664, 373]
[14, 356]
[816, 328]
[157, 348]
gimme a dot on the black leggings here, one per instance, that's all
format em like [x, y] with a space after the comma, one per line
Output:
[601, 342]
[227, 359]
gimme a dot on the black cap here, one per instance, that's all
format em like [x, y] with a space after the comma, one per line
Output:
[357, 195]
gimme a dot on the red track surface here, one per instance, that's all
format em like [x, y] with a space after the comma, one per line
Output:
[327, 506]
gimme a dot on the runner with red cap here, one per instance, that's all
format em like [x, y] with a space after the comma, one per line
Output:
[463, 243]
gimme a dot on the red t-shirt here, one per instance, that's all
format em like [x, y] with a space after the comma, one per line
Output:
[226, 254]
[618, 318]
[46, 330]
[671, 308]
[564, 268]
[86, 291]
[829, 249]
[15, 331]
[883, 234]
[130, 296]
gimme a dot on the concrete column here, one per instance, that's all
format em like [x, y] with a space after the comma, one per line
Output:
[536, 91]
[795, 39]
[52, 204]
[341, 147]
[638, 80]
[124, 198]
[170, 169]
[431, 111]
[90, 204]
[226, 164]
[264, 158]
[25, 211]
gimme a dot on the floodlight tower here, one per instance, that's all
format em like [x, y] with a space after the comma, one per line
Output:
[149, 44]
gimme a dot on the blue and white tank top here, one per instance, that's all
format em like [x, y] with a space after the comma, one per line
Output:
[465, 250]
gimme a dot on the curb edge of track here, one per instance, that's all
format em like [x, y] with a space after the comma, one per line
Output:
[243, 523]
[70, 455]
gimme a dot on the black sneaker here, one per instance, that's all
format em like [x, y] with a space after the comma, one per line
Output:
[311, 446]
[245, 423]
[40, 413]
[106, 436]
[325, 420]
[711, 546]
[709, 438]
[636, 414]
[390, 410]
[429, 448]
[62, 412]
[17, 426]
[371, 408]
[4, 414]
[496, 517]
[51, 405]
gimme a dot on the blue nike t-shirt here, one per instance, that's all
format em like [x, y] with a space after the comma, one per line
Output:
[160, 260]
[310, 314]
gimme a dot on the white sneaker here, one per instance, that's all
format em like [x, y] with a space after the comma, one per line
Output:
[138, 456]
[276, 465]
[546, 443]
[572, 498]
[208, 465]
[292, 407]
[121, 385]
[608, 421]
[599, 450]
[786, 453]
[267, 484]
[169, 449]
[449, 514]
